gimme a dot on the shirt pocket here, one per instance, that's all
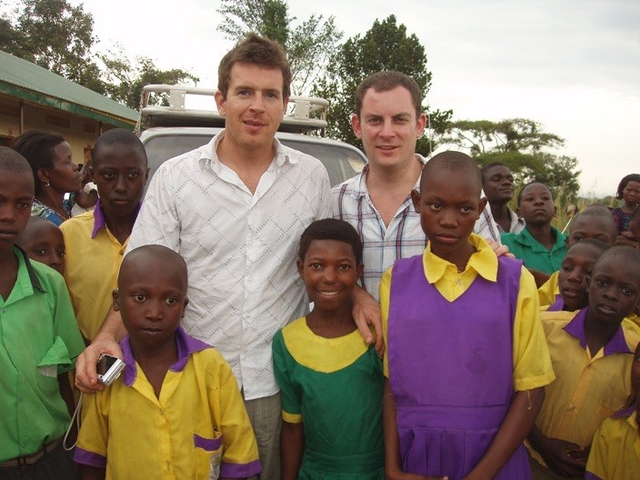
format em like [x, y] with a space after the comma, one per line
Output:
[55, 361]
[208, 453]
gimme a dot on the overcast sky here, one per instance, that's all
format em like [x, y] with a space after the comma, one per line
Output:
[573, 66]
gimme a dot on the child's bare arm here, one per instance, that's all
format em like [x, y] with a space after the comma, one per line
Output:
[291, 446]
[514, 429]
[66, 392]
[393, 470]
[88, 472]
[562, 457]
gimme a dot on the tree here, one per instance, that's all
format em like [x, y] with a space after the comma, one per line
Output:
[309, 45]
[386, 46]
[125, 79]
[56, 36]
[522, 145]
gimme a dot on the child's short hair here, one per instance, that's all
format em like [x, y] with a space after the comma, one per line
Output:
[599, 211]
[629, 254]
[453, 161]
[118, 136]
[331, 229]
[632, 177]
[12, 161]
[598, 244]
[534, 182]
[255, 50]
[160, 252]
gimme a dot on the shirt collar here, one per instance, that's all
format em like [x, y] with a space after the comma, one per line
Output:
[577, 328]
[483, 261]
[209, 152]
[556, 306]
[525, 238]
[361, 190]
[625, 412]
[185, 344]
[100, 221]
[33, 277]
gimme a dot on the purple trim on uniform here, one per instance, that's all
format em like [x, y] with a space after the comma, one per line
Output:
[185, 344]
[577, 328]
[208, 444]
[85, 457]
[240, 470]
[130, 372]
[591, 476]
[556, 306]
[99, 220]
[624, 412]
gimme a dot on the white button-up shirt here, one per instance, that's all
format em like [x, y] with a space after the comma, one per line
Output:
[240, 249]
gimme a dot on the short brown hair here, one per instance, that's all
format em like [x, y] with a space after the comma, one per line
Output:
[255, 50]
[388, 80]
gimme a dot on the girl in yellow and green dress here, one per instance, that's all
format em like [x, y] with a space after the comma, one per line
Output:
[331, 381]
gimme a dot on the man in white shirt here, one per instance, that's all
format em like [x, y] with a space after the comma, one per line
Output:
[377, 202]
[234, 209]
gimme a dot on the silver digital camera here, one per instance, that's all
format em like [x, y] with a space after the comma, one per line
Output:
[109, 368]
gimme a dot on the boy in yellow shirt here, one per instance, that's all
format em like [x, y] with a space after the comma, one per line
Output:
[176, 412]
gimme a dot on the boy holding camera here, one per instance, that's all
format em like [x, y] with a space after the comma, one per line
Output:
[176, 412]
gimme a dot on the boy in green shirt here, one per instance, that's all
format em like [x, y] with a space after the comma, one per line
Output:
[39, 341]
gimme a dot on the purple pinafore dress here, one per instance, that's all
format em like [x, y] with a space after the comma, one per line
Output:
[451, 369]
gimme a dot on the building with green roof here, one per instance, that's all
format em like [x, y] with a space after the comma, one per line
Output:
[32, 97]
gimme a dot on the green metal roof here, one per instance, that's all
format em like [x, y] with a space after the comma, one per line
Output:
[32, 83]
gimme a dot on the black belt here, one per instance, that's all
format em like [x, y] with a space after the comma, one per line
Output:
[33, 458]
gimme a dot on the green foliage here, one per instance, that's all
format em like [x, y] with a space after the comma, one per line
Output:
[386, 46]
[57, 36]
[126, 79]
[523, 146]
[309, 45]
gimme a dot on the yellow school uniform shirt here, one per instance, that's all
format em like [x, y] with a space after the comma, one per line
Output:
[615, 451]
[531, 362]
[197, 428]
[588, 388]
[548, 291]
[92, 262]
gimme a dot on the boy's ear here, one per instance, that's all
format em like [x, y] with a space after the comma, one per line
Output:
[115, 296]
[415, 198]
[360, 269]
[300, 266]
[184, 306]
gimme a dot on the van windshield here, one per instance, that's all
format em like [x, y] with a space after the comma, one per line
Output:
[341, 162]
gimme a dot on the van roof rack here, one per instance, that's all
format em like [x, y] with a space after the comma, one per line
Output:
[304, 114]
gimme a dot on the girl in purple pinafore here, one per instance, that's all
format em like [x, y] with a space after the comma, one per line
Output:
[466, 355]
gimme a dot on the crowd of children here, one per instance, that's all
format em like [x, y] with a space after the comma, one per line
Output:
[495, 367]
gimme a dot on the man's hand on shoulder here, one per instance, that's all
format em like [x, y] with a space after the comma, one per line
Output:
[366, 313]
[499, 249]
